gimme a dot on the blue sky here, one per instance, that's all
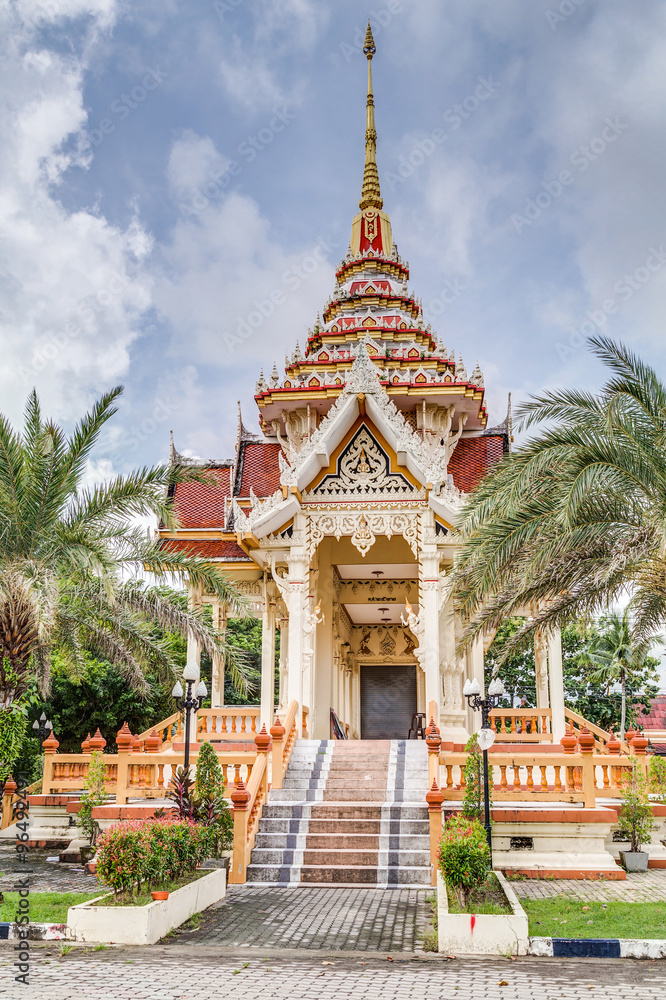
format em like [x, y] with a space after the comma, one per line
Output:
[167, 165]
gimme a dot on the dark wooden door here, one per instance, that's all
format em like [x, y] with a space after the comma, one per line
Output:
[388, 701]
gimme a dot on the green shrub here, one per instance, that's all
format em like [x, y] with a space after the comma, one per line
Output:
[464, 856]
[657, 774]
[210, 806]
[150, 852]
[636, 819]
[473, 799]
[93, 796]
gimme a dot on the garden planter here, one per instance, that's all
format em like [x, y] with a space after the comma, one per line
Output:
[144, 924]
[634, 861]
[482, 934]
[160, 894]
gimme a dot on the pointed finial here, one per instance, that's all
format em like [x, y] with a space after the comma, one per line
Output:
[369, 47]
[371, 196]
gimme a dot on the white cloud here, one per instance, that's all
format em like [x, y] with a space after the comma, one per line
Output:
[73, 288]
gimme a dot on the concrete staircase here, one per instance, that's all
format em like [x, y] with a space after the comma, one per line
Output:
[350, 812]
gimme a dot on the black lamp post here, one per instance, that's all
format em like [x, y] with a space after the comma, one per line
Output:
[190, 703]
[486, 737]
[42, 728]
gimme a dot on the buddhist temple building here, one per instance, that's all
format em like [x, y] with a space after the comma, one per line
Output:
[338, 518]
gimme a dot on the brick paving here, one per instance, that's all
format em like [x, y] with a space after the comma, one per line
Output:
[187, 974]
[47, 876]
[342, 919]
[647, 887]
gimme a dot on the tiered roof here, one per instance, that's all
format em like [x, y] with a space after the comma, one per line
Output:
[371, 303]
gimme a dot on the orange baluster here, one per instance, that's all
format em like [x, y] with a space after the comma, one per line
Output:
[503, 782]
[516, 777]
[449, 775]
[530, 780]
[544, 779]
[558, 780]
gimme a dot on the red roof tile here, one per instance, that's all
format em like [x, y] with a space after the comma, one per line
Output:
[206, 548]
[472, 459]
[260, 469]
[199, 505]
[657, 717]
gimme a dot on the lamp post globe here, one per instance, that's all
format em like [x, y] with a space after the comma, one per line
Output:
[472, 692]
[189, 702]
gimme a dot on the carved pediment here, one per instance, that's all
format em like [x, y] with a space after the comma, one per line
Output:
[363, 469]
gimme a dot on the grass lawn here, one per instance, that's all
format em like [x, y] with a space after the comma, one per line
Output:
[564, 917]
[45, 907]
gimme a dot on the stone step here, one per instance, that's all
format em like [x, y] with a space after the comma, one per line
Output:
[340, 876]
[354, 795]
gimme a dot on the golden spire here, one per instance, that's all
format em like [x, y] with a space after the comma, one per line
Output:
[371, 196]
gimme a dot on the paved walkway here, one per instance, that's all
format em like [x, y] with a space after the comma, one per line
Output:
[649, 887]
[203, 974]
[315, 918]
[47, 876]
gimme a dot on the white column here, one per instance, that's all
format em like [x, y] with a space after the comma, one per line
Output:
[217, 682]
[454, 722]
[268, 655]
[284, 652]
[556, 684]
[541, 654]
[297, 590]
[429, 595]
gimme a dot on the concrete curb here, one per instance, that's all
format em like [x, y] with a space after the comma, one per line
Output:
[36, 932]
[545, 947]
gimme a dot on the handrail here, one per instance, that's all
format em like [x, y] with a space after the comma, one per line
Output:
[227, 721]
[248, 801]
[137, 775]
[602, 737]
[161, 727]
[560, 777]
[12, 798]
[538, 720]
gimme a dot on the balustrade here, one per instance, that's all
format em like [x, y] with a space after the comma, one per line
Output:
[522, 725]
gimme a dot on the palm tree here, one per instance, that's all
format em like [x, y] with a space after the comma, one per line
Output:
[617, 657]
[65, 553]
[575, 519]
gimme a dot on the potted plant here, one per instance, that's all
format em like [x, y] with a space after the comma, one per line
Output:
[635, 820]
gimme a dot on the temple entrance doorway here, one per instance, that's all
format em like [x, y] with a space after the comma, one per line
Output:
[388, 701]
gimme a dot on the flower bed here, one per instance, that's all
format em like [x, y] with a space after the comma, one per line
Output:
[464, 861]
[98, 922]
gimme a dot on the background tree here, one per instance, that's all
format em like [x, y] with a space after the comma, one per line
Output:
[572, 521]
[584, 692]
[66, 550]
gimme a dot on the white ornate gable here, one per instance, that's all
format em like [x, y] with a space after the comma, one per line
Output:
[363, 469]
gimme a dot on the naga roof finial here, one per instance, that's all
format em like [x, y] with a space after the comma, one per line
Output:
[371, 196]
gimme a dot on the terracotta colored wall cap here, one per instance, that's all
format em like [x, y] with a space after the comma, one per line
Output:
[554, 815]
[49, 800]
